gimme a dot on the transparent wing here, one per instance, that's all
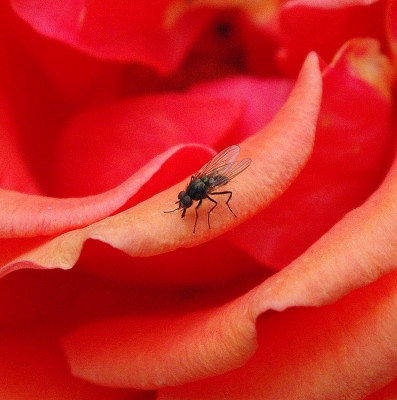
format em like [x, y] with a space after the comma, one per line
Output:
[220, 163]
[233, 170]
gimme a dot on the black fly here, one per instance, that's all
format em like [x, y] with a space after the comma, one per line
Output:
[216, 173]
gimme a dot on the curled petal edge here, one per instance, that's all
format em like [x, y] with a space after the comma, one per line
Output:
[278, 152]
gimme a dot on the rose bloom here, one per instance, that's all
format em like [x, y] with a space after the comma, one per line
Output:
[107, 110]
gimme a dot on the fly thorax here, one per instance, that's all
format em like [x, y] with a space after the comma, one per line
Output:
[197, 189]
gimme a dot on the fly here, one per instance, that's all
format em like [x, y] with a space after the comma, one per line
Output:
[213, 175]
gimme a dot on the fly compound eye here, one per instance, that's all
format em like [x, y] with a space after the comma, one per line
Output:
[181, 195]
[185, 200]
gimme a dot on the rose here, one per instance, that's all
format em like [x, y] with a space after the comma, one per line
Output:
[206, 328]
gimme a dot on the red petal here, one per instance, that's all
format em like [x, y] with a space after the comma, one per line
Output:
[391, 25]
[142, 229]
[14, 173]
[25, 215]
[261, 99]
[125, 30]
[325, 27]
[350, 155]
[33, 367]
[278, 153]
[389, 392]
[353, 254]
[102, 147]
[345, 349]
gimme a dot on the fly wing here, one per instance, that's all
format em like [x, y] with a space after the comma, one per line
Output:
[220, 163]
[233, 170]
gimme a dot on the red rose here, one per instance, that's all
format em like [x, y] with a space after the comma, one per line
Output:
[108, 109]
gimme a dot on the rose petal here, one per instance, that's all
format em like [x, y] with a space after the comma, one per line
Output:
[389, 392]
[146, 230]
[126, 31]
[34, 363]
[104, 146]
[25, 215]
[391, 25]
[334, 266]
[150, 352]
[347, 347]
[162, 351]
[354, 253]
[324, 27]
[179, 268]
[17, 118]
[262, 98]
[80, 78]
[350, 156]
[14, 173]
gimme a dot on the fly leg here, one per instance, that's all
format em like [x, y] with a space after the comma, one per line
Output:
[209, 212]
[227, 201]
[195, 222]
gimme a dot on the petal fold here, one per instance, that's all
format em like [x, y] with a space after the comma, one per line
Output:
[310, 353]
[153, 352]
[24, 215]
[279, 152]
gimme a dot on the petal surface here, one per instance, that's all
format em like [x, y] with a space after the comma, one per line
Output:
[122, 31]
[211, 338]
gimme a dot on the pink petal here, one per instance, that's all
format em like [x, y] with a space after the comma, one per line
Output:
[261, 99]
[142, 353]
[353, 254]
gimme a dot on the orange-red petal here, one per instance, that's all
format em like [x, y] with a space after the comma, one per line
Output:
[141, 352]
